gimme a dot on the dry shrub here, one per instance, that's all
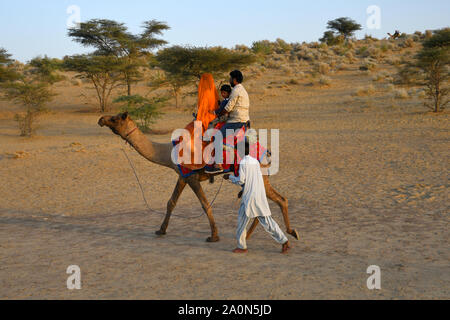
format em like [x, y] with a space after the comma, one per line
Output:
[323, 68]
[389, 87]
[350, 57]
[393, 61]
[375, 53]
[286, 70]
[340, 50]
[408, 43]
[343, 67]
[301, 75]
[363, 51]
[271, 64]
[380, 77]
[368, 65]
[324, 81]
[332, 63]
[76, 82]
[293, 82]
[367, 91]
[401, 93]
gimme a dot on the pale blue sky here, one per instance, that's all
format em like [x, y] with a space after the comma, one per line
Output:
[31, 28]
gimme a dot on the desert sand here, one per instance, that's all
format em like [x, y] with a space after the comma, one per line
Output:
[367, 178]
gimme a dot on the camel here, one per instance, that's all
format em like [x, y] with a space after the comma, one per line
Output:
[160, 154]
[395, 35]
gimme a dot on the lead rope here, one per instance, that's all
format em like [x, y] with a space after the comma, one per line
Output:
[161, 213]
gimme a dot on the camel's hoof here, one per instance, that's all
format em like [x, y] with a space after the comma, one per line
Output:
[213, 239]
[160, 233]
[295, 234]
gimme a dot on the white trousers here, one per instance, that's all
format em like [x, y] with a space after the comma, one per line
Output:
[270, 225]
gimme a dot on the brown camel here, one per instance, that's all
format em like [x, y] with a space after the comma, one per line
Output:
[160, 154]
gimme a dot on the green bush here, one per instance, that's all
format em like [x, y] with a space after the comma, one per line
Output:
[263, 47]
[144, 110]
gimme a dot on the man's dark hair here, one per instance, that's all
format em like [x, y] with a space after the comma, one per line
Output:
[236, 74]
[226, 88]
[247, 146]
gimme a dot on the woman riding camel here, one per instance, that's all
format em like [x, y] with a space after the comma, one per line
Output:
[208, 99]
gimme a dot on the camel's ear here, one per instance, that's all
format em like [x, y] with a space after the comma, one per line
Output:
[125, 116]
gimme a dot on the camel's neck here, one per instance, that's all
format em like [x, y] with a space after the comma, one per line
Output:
[155, 152]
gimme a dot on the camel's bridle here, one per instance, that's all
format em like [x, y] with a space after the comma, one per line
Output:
[129, 134]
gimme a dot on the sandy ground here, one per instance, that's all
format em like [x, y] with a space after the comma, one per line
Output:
[367, 180]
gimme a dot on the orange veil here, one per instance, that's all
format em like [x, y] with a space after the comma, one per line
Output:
[208, 99]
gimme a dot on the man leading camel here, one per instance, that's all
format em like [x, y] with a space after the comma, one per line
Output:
[238, 108]
[254, 203]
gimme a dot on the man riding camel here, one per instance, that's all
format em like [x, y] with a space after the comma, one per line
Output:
[238, 109]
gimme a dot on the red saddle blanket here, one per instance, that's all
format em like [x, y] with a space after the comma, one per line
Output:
[230, 152]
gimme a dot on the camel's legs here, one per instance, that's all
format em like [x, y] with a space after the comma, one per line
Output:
[282, 202]
[181, 184]
[252, 228]
[198, 190]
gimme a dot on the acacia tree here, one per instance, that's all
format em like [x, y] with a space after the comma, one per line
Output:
[183, 64]
[46, 68]
[7, 71]
[345, 27]
[432, 63]
[25, 87]
[33, 95]
[109, 37]
[105, 72]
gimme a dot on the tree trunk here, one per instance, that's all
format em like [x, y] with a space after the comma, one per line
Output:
[437, 98]
[176, 93]
[129, 88]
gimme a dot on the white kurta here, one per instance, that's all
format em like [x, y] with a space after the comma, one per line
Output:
[254, 199]
[254, 202]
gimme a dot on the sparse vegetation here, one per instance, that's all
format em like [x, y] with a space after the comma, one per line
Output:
[323, 68]
[34, 96]
[365, 91]
[47, 69]
[183, 65]
[29, 87]
[430, 69]
[144, 110]
[401, 93]
[7, 70]
[324, 81]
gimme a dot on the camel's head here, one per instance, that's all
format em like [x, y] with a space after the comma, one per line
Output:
[120, 124]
